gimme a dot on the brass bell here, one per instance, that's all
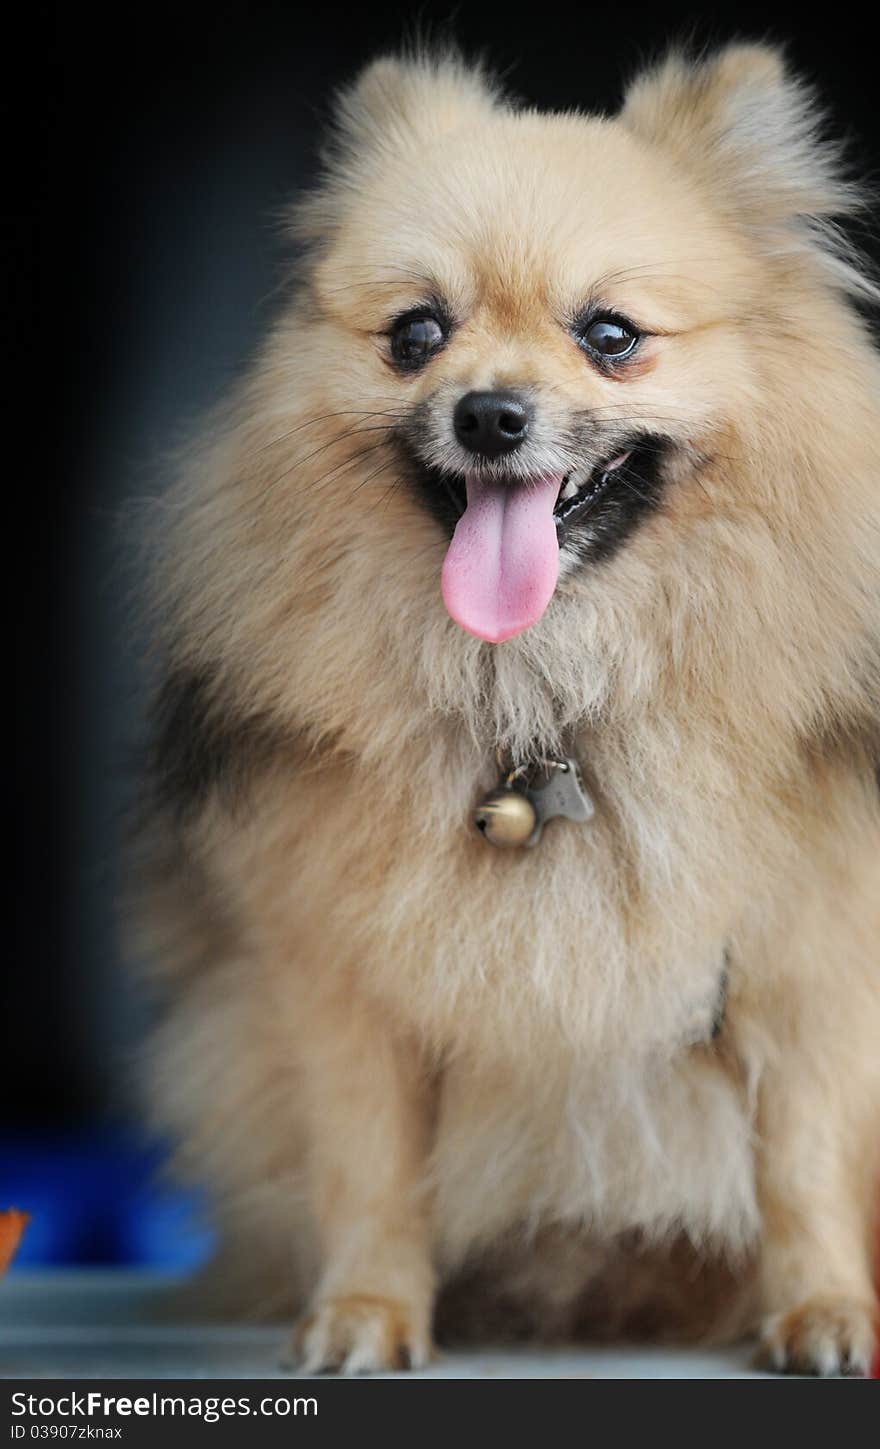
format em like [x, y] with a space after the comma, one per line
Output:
[506, 818]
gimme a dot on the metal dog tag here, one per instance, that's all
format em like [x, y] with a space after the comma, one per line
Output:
[514, 813]
[561, 795]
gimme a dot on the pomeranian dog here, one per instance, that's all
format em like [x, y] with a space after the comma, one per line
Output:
[514, 839]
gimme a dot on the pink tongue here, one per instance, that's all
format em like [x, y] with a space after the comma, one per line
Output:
[503, 562]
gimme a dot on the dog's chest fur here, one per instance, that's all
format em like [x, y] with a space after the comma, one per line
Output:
[661, 1147]
[585, 1079]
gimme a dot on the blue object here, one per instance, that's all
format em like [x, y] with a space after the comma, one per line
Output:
[97, 1199]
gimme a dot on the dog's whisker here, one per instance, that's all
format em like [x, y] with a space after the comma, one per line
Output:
[325, 417]
[344, 467]
[337, 441]
[396, 484]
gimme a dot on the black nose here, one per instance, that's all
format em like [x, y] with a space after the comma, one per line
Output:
[490, 423]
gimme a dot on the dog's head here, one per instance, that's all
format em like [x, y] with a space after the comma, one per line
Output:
[547, 326]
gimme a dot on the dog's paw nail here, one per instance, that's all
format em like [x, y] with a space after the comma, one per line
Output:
[359, 1334]
[824, 1337]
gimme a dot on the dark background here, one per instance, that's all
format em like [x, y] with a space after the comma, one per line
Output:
[168, 138]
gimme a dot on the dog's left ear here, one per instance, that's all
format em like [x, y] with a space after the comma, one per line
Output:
[749, 130]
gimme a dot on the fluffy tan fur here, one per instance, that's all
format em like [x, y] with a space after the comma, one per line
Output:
[405, 1061]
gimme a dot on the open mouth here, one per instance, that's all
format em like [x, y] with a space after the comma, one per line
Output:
[581, 489]
[507, 532]
[575, 497]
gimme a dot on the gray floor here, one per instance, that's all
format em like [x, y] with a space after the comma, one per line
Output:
[114, 1325]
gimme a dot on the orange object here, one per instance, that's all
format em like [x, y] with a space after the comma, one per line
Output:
[12, 1225]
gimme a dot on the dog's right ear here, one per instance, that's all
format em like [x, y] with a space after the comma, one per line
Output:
[397, 101]
[394, 105]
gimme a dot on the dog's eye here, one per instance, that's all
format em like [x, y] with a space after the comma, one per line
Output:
[609, 338]
[415, 338]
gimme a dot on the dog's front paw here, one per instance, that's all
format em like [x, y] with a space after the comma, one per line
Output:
[823, 1336]
[361, 1333]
